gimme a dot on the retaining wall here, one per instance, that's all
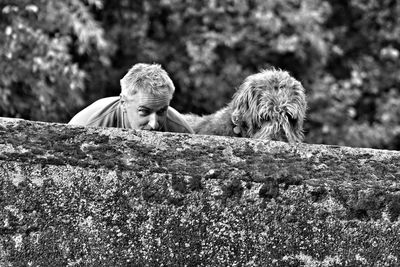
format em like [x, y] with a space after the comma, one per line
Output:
[74, 196]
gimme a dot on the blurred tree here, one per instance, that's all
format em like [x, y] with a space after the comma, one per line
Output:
[39, 40]
[209, 47]
[356, 99]
[57, 57]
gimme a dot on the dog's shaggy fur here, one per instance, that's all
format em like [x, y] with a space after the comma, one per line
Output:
[268, 105]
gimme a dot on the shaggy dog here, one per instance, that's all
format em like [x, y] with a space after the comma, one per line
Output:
[268, 105]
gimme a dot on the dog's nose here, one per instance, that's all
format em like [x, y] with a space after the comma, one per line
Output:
[281, 136]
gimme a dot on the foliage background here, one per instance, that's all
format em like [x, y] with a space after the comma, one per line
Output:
[58, 56]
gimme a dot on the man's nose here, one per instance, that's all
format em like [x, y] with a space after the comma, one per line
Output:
[153, 121]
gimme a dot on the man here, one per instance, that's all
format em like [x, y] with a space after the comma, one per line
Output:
[146, 92]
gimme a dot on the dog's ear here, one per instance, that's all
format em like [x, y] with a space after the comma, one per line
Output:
[240, 101]
[240, 107]
[235, 117]
[238, 114]
[237, 121]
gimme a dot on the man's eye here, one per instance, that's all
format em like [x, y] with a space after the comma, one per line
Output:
[161, 112]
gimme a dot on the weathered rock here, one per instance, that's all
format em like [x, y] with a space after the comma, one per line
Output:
[73, 196]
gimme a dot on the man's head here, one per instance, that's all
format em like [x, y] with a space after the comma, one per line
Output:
[146, 91]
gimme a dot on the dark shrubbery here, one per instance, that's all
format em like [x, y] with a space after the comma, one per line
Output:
[40, 78]
[57, 58]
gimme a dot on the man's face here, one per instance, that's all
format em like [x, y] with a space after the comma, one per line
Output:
[146, 111]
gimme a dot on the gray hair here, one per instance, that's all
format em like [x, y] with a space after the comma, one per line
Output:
[150, 78]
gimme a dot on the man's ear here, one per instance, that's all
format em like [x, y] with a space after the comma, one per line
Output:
[121, 96]
[122, 99]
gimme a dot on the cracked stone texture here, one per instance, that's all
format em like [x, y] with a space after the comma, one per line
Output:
[74, 196]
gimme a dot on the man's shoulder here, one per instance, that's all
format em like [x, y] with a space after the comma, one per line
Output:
[99, 113]
[105, 101]
[176, 123]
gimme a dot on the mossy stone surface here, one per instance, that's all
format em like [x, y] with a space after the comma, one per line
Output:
[74, 196]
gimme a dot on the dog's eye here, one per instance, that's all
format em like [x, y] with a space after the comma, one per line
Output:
[292, 121]
[265, 119]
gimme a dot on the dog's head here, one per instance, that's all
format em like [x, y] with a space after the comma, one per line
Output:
[270, 105]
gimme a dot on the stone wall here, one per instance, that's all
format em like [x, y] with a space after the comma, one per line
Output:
[73, 196]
